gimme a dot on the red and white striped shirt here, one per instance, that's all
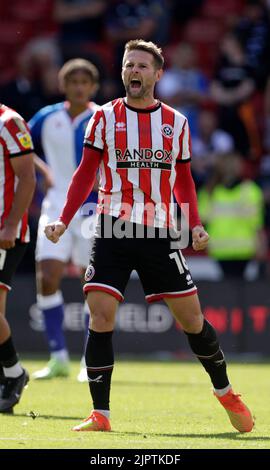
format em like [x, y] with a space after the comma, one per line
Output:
[15, 140]
[140, 149]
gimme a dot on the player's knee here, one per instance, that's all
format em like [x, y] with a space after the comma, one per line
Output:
[193, 323]
[102, 320]
[48, 283]
[102, 308]
[102, 316]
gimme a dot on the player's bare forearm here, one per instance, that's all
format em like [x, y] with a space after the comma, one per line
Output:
[23, 167]
[44, 170]
[22, 199]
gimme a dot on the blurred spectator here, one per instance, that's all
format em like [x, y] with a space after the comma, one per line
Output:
[24, 92]
[253, 30]
[232, 209]
[46, 59]
[232, 89]
[129, 19]
[264, 168]
[81, 22]
[183, 86]
[267, 116]
[264, 183]
[183, 10]
[208, 146]
[35, 84]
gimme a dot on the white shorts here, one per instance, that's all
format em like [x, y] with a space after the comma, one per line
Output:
[74, 245]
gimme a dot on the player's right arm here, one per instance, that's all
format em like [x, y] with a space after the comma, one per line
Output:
[80, 187]
[84, 177]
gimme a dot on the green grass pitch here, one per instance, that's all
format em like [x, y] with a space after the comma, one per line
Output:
[154, 405]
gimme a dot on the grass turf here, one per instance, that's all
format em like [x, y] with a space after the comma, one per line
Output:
[155, 405]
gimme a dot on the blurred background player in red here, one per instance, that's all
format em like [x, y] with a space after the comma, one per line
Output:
[17, 184]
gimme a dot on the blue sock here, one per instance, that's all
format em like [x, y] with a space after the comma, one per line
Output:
[53, 313]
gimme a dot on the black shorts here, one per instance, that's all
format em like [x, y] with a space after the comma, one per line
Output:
[161, 268]
[9, 260]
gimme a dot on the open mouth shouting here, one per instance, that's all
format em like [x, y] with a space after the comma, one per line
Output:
[135, 84]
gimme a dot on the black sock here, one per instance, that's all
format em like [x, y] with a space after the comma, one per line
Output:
[99, 362]
[8, 355]
[206, 347]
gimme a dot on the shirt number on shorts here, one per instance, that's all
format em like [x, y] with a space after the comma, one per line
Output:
[180, 261]
[3, 255]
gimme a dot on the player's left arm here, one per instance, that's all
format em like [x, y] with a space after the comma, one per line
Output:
[185, 192]
[35, 126]
[45, 171]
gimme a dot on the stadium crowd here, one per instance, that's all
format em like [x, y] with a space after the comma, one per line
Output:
[217, 72]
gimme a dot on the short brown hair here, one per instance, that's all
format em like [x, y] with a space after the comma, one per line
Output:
[147, 46]
[75, 65]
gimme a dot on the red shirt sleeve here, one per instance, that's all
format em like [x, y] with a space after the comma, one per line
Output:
[81, 184]
[185, 192]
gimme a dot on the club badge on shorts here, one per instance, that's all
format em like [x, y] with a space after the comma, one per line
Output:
[89, 273]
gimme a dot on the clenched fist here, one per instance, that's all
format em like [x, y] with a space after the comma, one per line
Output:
[55, 230]
[8, 236]
[199, 238]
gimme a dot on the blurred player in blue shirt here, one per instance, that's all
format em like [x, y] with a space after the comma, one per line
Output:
[57, 133]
